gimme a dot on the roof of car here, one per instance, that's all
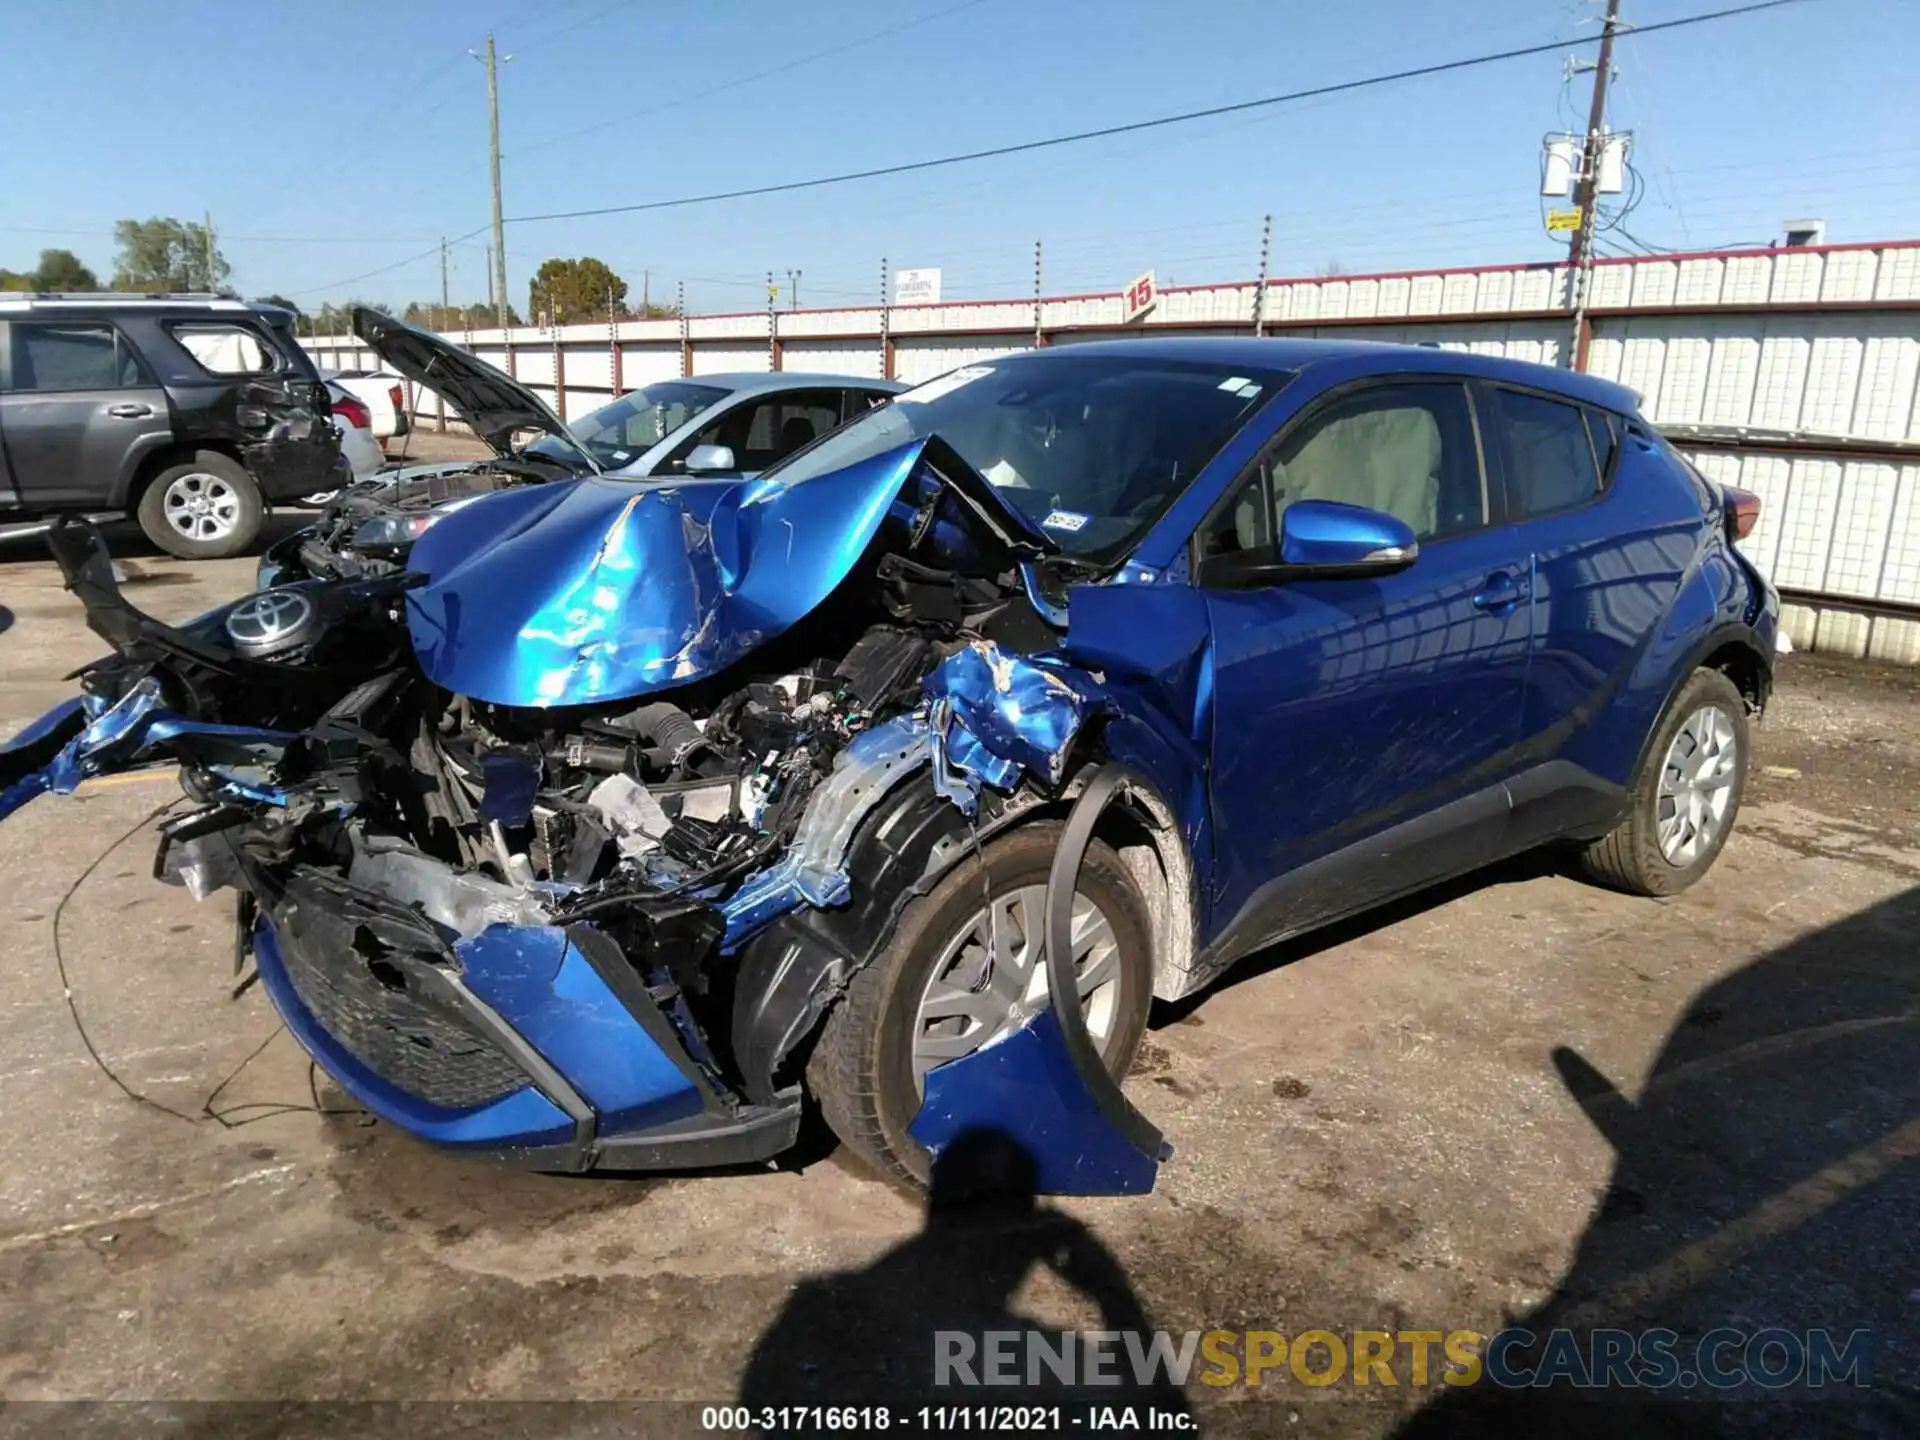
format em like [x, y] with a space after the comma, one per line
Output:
[750, 380]
[97, 301]
[1292, 354]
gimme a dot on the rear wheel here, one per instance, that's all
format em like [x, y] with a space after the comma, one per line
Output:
[203, 509]
[966, 964]
[1685, 798]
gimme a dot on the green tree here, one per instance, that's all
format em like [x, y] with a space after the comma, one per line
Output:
[450, 319]
[283, 303]
[165, 254]
[574, 290]
[62, 270]
[57, 270]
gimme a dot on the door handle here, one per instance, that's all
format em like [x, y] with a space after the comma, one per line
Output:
[1501, 592]
[130, 412]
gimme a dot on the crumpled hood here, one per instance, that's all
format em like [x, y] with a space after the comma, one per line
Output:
[594, 589]
[492, 403]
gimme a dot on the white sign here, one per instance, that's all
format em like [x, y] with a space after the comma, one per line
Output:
[1140, 296]
[916, 287]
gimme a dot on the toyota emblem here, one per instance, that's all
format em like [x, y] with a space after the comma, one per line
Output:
[268, 621]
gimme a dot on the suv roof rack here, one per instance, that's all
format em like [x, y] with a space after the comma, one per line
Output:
[116, 297]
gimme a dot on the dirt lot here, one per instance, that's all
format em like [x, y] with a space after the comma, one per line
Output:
[1520, 1097]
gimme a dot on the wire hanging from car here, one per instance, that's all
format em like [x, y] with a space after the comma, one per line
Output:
[253, 1110]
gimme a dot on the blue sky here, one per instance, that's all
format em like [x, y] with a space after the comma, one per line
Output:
[333, 141]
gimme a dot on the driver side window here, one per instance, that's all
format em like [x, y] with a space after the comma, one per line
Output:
[1408, 450]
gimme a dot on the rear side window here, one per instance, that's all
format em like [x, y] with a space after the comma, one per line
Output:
[1550, 458]
[71, 357]
[1606, 441]
[225, 349]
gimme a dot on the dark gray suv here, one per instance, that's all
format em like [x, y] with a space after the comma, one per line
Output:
[193, 413]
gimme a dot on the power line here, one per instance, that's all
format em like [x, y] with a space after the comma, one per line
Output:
[1314, 92]
[385, 269]
[758, 75]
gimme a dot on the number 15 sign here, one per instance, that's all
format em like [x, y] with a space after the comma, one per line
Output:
[1140, 297]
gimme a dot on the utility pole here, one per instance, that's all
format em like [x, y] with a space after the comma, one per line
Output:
[206, 232]
[499, 266]
[490, 304]
[444, 307]
[1586, 188]
[793, 289]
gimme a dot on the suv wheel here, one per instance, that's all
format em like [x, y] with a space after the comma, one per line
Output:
[204, 509]
[961, 969]
[1685, 798]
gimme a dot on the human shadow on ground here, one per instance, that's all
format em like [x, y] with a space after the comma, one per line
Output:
[1767, 1178]
[872, 1336]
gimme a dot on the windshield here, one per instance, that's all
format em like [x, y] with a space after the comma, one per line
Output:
[620, 433]
[1091, 448]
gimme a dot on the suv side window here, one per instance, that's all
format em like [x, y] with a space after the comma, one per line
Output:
[1550, 455]
[1408, 449]
[225, 349]
[48, 356]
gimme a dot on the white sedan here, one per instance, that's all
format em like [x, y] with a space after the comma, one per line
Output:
[354, 425]
[383, 393]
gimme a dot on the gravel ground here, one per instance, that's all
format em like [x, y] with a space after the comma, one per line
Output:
[1516, 1097]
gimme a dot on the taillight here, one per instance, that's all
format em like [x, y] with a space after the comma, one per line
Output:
[1743, 511]
[353, 410]
[399, 400]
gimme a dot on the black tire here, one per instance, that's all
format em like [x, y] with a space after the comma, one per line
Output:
[1629, 857]
[249, 509]
[860, 1072]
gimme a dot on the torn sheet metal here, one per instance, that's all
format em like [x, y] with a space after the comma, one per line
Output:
[1045, 1085]
[1026, 1087]
[997, 715]
[812, 872]
[129, 732]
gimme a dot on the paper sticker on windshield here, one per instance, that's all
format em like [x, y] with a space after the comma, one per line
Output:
[1067, 520]
[1234, 382]
[945, 385]
[622, 456]
[1249, 390]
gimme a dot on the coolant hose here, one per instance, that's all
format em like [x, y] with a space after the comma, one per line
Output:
[1062, 984]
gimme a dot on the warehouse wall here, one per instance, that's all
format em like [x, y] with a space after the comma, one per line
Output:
[1793, 373]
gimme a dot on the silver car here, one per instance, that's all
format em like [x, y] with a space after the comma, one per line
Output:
[718, 426]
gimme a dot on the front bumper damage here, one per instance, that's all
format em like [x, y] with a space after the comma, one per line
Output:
[513, 1020]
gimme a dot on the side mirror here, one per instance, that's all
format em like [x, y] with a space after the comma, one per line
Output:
[710, 458]
[1319, 540]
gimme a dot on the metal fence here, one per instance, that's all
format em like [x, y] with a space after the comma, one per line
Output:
[1794, 373]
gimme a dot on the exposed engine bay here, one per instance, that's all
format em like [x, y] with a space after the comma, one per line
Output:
[411, 857]
[369, 527]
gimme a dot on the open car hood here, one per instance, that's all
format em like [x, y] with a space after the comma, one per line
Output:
[494, 404]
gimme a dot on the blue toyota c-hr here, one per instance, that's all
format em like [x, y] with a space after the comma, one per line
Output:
[614, 819]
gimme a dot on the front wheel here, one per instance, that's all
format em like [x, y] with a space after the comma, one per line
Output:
[204, 509]
[1685, 798]
[966, 965]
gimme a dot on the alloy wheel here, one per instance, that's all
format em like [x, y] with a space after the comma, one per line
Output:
[201, 506]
